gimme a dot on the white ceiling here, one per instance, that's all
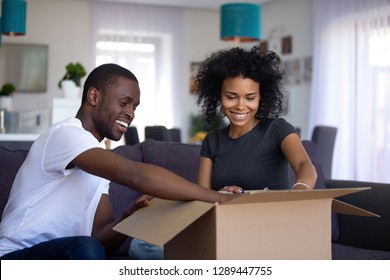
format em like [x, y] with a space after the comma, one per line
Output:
[199, 4]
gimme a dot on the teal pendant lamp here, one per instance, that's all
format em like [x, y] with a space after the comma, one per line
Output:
[240, 22]
[14, 17]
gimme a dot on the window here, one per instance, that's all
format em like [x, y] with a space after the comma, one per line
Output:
[140, 54]
[351, 85]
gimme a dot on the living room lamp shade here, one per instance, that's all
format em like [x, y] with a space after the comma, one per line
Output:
[14, 17]
[240, 22]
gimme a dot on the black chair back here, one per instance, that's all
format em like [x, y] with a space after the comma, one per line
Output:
[131, 136]
[175, 134]
[324, 137]
[158, 133]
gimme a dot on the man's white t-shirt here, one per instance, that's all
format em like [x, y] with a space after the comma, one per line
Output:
[47, 200]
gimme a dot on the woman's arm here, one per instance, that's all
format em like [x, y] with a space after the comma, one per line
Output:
[204, 173]
[295, 153]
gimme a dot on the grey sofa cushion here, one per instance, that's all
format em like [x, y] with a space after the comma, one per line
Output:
[11, 160]
[182, 159]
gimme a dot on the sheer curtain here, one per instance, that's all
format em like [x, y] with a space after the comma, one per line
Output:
[351, 84]
[146, 40]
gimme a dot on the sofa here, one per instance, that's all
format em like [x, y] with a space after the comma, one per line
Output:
[353, 237]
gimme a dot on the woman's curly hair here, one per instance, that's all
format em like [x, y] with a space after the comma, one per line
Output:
[262, 67]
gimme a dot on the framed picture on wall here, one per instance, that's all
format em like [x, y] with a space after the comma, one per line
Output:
[263, 46]
[287, 46]
[292, 72]
[307, 69]
[193, 71]
[25, 66]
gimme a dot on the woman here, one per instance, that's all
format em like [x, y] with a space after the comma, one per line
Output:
[255, 150]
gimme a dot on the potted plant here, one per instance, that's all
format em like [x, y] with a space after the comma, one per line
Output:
[6, 96]
[71, 81]
[199, 127]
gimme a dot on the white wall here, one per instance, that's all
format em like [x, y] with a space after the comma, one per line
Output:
[65, 27]
[293, 18]
[201, 37]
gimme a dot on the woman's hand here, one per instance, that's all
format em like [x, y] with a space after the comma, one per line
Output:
[232, 189]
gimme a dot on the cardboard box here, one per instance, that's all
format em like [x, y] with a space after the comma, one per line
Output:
[257, 225]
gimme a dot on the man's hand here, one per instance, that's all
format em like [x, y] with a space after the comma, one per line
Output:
[141, 202]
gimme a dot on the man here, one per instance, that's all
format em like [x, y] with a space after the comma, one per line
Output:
[59, 206]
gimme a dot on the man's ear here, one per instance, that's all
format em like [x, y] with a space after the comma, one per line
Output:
[93, 96]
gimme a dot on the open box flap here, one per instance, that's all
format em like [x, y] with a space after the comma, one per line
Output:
[289, 195]
[345, 208]
[165, 217]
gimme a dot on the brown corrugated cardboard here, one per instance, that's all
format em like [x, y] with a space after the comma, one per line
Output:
[256, 225]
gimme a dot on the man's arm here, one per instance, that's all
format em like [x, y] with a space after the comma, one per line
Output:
[144, 178]
[104, 221]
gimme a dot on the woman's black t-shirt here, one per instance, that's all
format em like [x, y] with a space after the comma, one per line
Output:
[253, 161]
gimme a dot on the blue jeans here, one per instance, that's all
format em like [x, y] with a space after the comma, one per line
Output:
[141, 250]
[65, 248]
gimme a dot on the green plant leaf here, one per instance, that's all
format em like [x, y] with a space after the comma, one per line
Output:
[7, 89]
[74, 72]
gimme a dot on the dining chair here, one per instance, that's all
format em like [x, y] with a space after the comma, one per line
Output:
[325, 137]
[131, 136]
[175, 134]
[158, 132]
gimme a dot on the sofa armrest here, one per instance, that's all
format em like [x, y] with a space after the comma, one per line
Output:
[365, 232]
[333, 184]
